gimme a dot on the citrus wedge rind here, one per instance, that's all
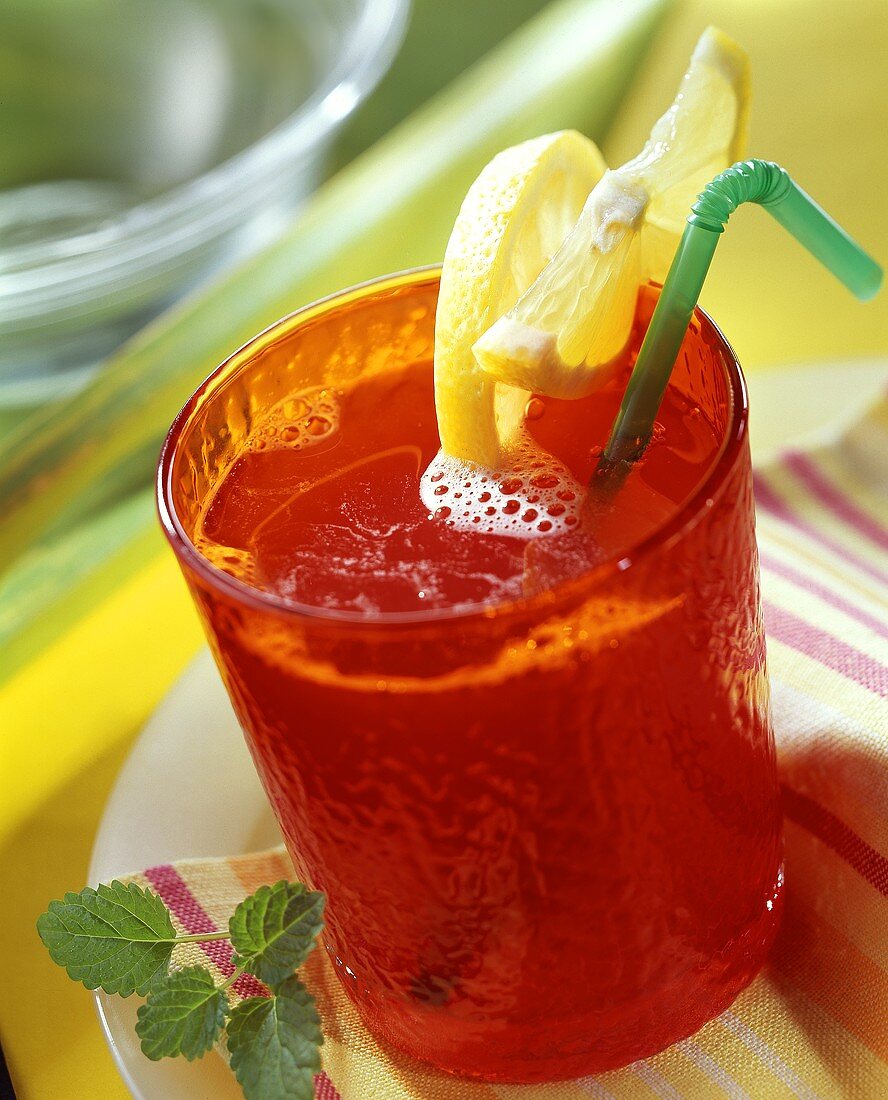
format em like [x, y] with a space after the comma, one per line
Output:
[513, 219]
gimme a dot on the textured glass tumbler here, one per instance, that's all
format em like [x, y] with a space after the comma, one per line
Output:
[549, 830]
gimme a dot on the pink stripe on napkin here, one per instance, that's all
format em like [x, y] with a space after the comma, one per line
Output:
[771, 564]
[819, 486]
[833, 832]
[826, 648]
[769, 501]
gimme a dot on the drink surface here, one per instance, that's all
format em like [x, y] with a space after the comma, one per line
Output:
[327, 505]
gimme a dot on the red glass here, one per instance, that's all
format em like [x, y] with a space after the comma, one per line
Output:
[548, 828]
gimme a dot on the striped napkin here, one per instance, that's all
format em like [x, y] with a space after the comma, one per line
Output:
[815, 1022]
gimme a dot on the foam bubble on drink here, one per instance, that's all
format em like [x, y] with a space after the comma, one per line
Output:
[300, 421]
[535, 496]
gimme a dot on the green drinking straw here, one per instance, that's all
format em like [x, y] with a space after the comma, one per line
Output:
[748, 181]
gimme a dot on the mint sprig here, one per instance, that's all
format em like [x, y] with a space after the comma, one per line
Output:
[121, 938]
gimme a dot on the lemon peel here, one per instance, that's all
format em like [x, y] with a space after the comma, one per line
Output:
[512, 221]
[578, 313]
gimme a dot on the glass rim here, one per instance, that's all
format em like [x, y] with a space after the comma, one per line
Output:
[665, 535]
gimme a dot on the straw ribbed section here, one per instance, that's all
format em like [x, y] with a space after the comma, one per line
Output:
[759, 181]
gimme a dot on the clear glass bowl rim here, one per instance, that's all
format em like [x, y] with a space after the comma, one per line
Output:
[65, 274]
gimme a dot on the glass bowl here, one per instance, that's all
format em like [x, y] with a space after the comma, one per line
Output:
[150, 143]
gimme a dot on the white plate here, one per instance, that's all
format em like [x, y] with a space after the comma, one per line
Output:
[159, 811]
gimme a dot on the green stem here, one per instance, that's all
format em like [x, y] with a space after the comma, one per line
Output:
[203, 937]
[229, 982]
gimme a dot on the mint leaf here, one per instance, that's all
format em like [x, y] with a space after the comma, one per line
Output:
[274, 1041]
[273, 930]
[116, 938]
[184, 1014]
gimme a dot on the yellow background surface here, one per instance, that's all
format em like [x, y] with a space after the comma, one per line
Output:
[820, 88]
[819, 108]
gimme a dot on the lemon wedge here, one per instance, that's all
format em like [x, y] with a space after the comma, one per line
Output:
[513, 220]
[578, 313]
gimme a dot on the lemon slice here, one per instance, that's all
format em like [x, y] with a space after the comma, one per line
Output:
[578, 314]
[512, 221]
